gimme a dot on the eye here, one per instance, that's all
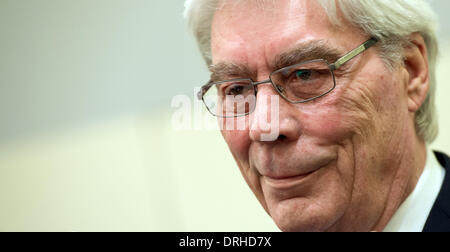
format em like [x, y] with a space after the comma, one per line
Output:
[303, 74]
[236, 89]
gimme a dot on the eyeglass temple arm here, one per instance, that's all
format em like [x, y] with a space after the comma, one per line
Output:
[203, 90]
[355, 52]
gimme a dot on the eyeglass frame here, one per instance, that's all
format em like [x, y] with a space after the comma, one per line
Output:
[332, 67]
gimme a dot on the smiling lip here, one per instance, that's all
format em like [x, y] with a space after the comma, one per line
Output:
[287, 182]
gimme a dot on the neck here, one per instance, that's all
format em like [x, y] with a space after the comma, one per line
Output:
[411, 163]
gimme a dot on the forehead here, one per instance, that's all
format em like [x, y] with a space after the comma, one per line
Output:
[272, 14]
[254, 31]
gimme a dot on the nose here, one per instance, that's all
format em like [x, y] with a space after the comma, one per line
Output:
[274, 119]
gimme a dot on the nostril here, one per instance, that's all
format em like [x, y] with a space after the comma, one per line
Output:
[281, 137]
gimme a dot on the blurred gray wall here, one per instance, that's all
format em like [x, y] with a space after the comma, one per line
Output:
[68, 62]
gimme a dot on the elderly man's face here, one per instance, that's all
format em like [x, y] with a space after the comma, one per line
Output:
[329, 169]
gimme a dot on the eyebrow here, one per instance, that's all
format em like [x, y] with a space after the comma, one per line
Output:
[225, 70]
[312, 50]
[307, 51]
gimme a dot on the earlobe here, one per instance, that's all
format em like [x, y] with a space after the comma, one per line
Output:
[416, 63]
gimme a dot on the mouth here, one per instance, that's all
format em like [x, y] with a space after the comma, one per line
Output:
[294, 172]
[286, 182]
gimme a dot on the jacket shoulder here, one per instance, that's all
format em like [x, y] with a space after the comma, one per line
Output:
[439, 217]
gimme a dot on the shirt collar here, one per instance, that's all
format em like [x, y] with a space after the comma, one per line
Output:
[413, 212]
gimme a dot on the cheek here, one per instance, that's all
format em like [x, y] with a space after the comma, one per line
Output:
[345, 113]
[355, 110]
[327, 124]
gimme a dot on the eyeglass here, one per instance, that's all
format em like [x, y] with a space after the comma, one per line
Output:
[298, 83]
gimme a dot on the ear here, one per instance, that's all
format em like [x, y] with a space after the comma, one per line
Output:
[416, 63]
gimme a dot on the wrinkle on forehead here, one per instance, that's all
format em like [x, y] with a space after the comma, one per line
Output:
[248, 20]
[255, 33]
[266, 11]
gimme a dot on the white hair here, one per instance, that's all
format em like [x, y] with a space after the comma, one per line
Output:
[390, 21]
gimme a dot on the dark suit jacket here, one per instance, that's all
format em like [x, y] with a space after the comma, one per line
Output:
[439, 217]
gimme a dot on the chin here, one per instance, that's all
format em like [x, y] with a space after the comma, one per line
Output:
[303, 215]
